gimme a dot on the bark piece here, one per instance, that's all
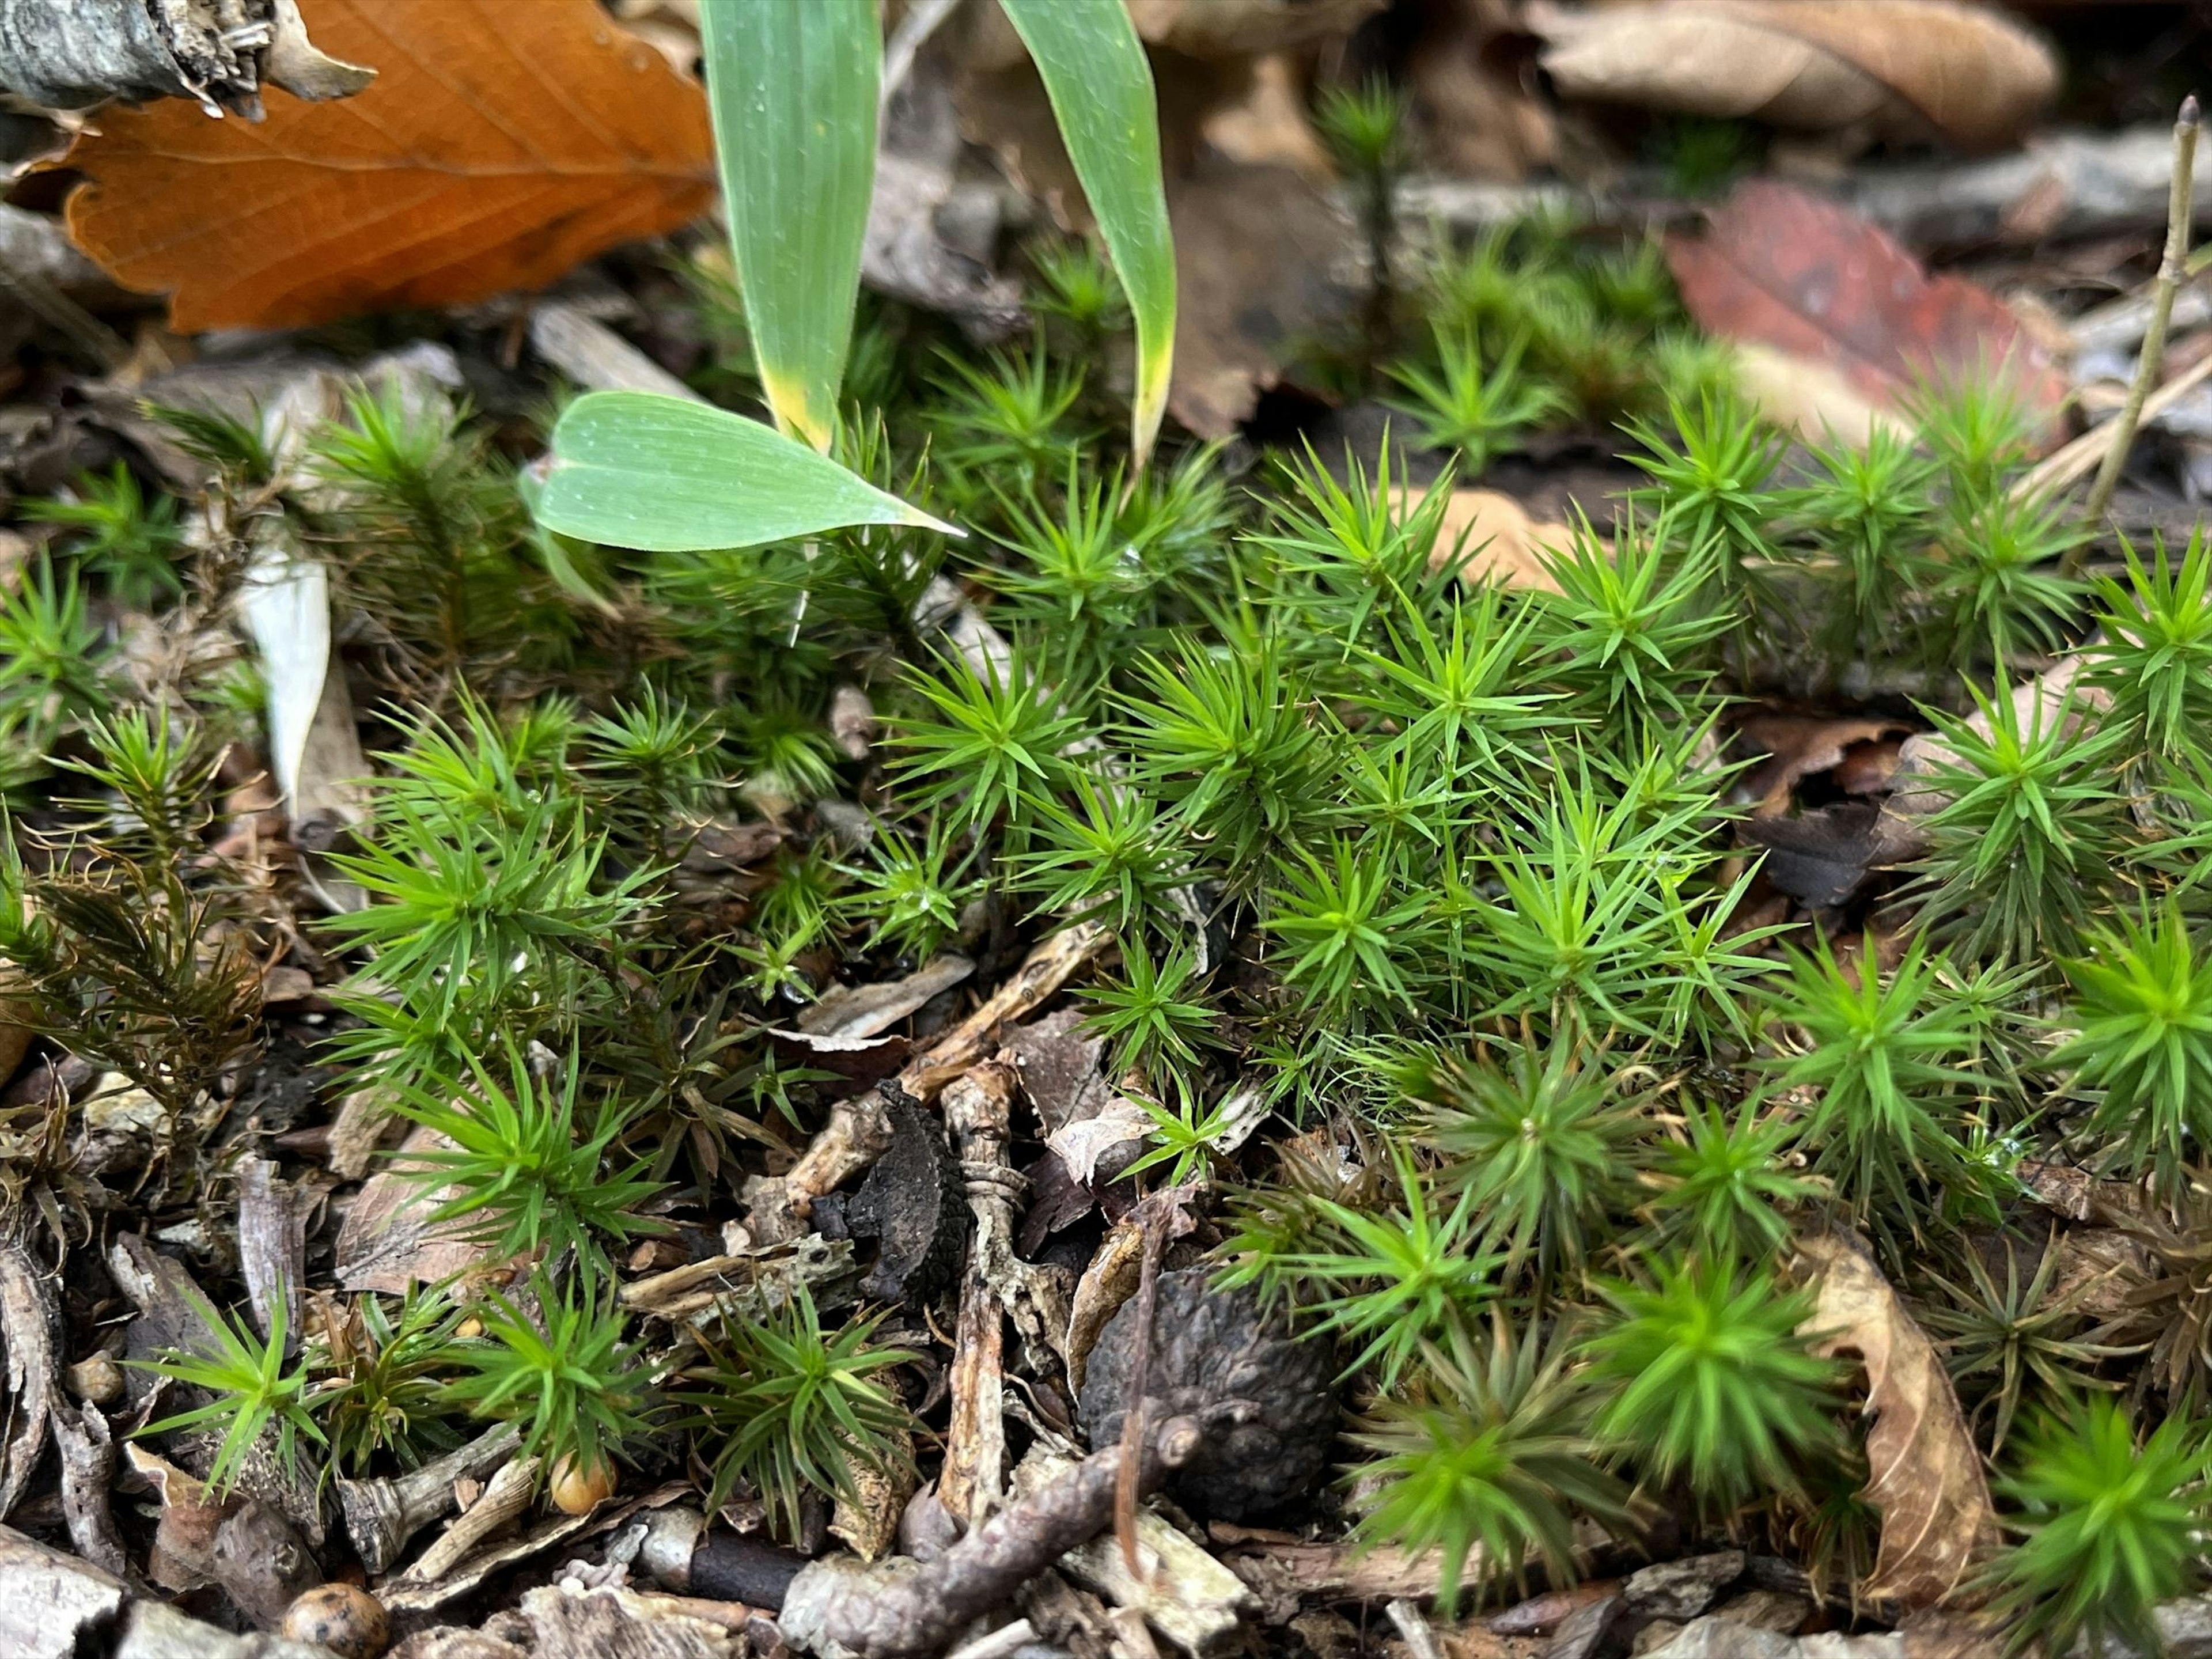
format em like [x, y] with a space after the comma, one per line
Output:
[88, 1455]
[508, 1495]
[1588, 1628]
[748, 1284]
[272, 1247]
[1684, 1588]
[71, 54]
[389, 1241]
[381, 1515]
[30, 1329]
[1043, 972]
[53, 1600]
[864, 1011]
[453, 177]
[1180, 1591]
[1925, 1474]
[837, 1609]
[612, 1623]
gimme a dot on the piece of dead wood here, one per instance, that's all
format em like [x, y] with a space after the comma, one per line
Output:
[747, 1285]
[838, 1607]
[1110, 1280]
[865, 1011]
[86, 1447]
[1274, 1569]
[381, 1516]
[860, 1128]
[1924, 1472]
[1043, 972]
[54, 1602]
[2072, 462]
[609, 1622]
[999, 1286]
[272, 1247]
[2084, 184]
[1181, 1590]
[182, 1556]
[506, 1495]
[868, 1519]
[73, 54]
[30, 1329]
[974, 1476]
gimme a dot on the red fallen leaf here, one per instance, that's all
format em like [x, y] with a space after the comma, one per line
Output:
[1783, 269]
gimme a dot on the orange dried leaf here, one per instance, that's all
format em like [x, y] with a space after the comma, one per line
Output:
[501, 143]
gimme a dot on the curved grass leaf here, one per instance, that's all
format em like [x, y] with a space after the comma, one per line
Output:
[635, 469]
[794, 86]
[1101, 85]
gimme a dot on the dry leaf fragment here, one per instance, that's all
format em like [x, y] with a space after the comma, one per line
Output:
[1492, 538]
[1894, 68]
[1925, 1475]
[501, 141]
[1262, 259]
[1782, 270]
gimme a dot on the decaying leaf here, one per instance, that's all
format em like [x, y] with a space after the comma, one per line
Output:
[1812, 282]
[501, 141]
[1262, 260]
[1926, 1475]
[1489, 537]
[1890, 67]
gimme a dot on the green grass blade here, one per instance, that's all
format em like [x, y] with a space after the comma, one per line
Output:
[794, 86]
[635, 469]
[1101, 85]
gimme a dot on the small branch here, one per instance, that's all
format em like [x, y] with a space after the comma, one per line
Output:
[2171, 270]
[836, 1607]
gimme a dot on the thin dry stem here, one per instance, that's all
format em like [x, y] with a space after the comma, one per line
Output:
[2171, 270]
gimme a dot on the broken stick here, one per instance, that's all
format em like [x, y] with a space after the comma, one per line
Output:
[838, 1607]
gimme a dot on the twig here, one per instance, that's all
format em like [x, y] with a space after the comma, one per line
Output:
[1421, 1640]
[2071, 464]
[834, 1604]
[907, 41]
[2170, 273]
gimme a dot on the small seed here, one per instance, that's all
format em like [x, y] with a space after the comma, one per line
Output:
[98, 1379]
[578, 1491]
[344, 1618]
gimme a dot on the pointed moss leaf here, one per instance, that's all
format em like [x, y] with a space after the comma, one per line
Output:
[634, 469]
[794, 86]
[1094, 71]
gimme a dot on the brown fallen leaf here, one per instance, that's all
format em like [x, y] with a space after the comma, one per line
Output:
[1489, 537]
[1889, 67]
[1800, 746]
[1925, 1474]
[1782, 272]
[1260, 261]
[502, 142]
